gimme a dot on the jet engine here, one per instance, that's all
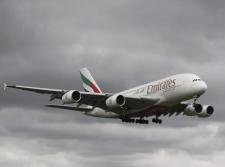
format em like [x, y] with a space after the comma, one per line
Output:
[193, 109]
[72, 96]
[115, 101]
[207, 111]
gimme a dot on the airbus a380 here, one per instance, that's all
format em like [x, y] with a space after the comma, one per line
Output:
[159, 98]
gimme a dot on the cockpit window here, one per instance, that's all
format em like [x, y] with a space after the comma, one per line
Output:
[194, 80]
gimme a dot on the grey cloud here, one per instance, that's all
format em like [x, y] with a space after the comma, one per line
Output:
[124, 43]
[60, 135]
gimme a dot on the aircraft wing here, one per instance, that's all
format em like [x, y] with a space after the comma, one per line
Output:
[92, 99]
[55, 93]
[35, 89]
[89, 98]
[98, 100]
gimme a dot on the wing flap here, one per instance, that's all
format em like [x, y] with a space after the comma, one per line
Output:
[81, 109]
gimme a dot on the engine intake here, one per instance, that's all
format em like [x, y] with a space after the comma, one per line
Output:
[206, 112]
[120, 100]
[199, 110]
[115, 101]
[198, 107]
[210, 110]
[193, 109]
[76, 96]
[72, 96]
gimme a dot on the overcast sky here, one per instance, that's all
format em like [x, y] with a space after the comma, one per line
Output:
[124, 43]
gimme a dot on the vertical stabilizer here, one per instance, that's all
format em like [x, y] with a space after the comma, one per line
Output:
[88, 81]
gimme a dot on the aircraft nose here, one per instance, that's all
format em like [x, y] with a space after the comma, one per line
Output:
[203, 87]
[199, 88]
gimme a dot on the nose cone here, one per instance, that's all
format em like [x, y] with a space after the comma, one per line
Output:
[202, 87]
[198, 88]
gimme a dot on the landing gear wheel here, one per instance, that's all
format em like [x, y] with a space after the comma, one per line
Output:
[128, 120]
[146, 121]
[159, 121]
[156, 120]
[141, 121]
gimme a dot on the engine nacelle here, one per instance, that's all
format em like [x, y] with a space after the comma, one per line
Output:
[72, 96]
[115, 101]
[207, 111]
[193, 109]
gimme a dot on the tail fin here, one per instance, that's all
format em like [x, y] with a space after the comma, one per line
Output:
[88, 81]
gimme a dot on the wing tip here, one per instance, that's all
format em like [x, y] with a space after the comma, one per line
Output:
[4, 86]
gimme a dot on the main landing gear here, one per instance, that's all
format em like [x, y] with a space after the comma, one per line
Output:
[137, 121]
[141, 120]
[128, 120]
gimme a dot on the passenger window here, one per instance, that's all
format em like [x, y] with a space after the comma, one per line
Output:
[194, 80]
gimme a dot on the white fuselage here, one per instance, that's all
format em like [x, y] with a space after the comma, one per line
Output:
[171, 91]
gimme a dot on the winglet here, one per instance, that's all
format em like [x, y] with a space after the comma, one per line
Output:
[4, 86]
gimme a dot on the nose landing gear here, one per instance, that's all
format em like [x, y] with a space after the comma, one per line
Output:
[156, 120]
[196, 98]
[198, 107]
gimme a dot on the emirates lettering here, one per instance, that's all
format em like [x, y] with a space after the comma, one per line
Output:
[161, 86]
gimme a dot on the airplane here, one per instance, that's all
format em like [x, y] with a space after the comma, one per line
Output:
[163, 97]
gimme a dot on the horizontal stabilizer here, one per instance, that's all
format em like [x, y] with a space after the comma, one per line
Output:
[81, 109]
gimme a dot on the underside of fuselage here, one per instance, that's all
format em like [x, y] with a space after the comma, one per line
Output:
[151, 111]
[156, 110]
